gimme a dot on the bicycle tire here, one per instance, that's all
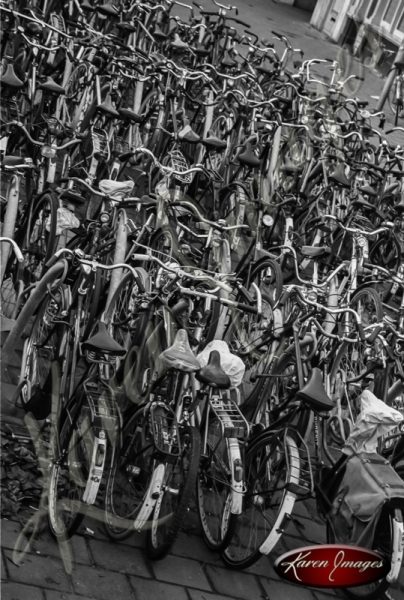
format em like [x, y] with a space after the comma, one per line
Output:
[41, 349]
[272, 463]
[129, 476]
[39, 242]
[175, 497]
[382, 542]
[12, 344]
[67, 477]
[213, 489]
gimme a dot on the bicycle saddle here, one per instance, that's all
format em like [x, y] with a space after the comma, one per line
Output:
[338, 176]
[201, 50]
[159, 34]
[10, 78]
[179, 355]
[85, 5]
[187, 134]
[116, 189]
[264, 69]
[178, 44]
[103, 342]
[106, 107]
[14, 161]
[248, 157]
[51, 86]
[314, 394]
[33, 28]
[228, 61]
[130, 115]
[214, 143]
[368, 190]
[212, 373]
[107, 10]
[315, 251]
[72, 196]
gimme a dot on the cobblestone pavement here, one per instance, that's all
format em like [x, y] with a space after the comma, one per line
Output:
[105, 571]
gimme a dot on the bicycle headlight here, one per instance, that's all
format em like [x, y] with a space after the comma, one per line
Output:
[267, 220]
[48, 151]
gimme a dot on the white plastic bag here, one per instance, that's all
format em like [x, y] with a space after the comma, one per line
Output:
[231, 364]
[65, 219]
[375, 420]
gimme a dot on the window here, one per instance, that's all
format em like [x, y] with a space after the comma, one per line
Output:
[400, 24]
[372, 8]
[390, 11]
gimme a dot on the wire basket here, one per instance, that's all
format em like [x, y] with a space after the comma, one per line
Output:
[177, 161]
[58, 22]
[120, 146]
[100, 144]
[165, 431]
[233, 423]
[100, 403]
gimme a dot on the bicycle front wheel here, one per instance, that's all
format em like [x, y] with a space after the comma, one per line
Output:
[272, 464]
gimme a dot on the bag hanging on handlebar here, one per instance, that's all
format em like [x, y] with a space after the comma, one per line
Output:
[368, 484]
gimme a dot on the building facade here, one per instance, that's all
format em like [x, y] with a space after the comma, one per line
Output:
[372, 29]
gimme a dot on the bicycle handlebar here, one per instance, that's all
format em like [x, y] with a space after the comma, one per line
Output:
[15, 247]
[41, 144]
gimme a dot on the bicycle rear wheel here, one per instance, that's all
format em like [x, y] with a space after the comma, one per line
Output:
[213, 488]
[272, 464]
[69, 472]
[178, 486]
[129, 476]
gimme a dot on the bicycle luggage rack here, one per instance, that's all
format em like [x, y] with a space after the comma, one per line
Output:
[165, 431]
[304, 487]
[233, 423]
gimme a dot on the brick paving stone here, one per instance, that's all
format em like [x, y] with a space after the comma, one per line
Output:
[198, 595]
[277, 590]
[146, 589]
[18, 591]
[192, 546]
[39, 571]
[46, 545]
[53, 595]
[118, 557]
[93, 529]
[9, 533]
[100, 583]
[3, 568]
[238, 583]
[326, 595]
[182, 571]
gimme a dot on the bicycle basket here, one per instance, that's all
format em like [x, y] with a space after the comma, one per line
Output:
[177, 161]
[120, 146]
[100, 144]
[100, 403]
[58, 22]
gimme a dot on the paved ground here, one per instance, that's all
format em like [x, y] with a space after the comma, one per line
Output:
[103, 570]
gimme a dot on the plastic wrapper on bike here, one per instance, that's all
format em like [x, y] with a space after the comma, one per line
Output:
[231, 364]
[375, 420]
[65, 220]
[368, 484]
